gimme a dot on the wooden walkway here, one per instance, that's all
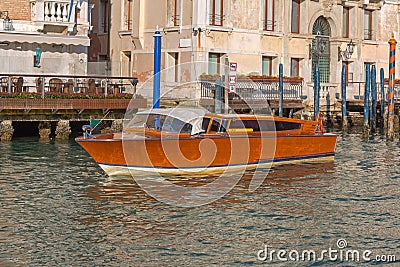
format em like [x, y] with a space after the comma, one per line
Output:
[69, 109]
[70, 104]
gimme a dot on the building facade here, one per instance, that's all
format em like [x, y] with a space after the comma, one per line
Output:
[256, 34]
[54, 32]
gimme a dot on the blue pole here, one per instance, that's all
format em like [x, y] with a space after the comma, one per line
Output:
[71, 3]
[317, 85]
[281, 90]
[344, 109]
[366, 95]
[373, 97]
[157, 68]
[383, 98]
[218, 95]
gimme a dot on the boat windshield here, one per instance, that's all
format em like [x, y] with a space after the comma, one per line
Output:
[160, 123]
[176, 120]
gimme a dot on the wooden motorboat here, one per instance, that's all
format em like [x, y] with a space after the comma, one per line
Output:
[190, 140]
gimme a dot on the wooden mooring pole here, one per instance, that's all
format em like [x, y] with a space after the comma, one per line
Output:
[373, 98]
[366, 100]
[317, 85]
[344, 108]
[383, 97]
[392, 62]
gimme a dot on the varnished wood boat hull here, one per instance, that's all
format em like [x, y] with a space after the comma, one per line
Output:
[205, 154]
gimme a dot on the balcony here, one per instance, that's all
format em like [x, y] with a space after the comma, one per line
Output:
[54, 11]
[58, 16]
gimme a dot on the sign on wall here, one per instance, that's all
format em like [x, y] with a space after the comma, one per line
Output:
[232, 77]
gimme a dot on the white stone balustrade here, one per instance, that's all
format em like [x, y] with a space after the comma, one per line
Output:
[52, 10]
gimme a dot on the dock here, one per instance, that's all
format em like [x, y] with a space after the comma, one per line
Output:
[56, 106]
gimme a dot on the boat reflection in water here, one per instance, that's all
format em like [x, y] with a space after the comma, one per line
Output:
[124, 189]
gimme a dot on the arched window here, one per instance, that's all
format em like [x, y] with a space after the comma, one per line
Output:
[321, 27]
[322, 30]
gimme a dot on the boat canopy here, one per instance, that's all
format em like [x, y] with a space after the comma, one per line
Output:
[193, 116]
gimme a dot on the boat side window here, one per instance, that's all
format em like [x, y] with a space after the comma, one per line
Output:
[152, 121]
[285, 126]
[175, 125]
[237, 124]
[253, 125]
[205, 123]
[215, 124]
[187, 128]
[267, 125]
[224, 126]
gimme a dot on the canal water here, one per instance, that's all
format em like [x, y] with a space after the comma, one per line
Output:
[58, 208]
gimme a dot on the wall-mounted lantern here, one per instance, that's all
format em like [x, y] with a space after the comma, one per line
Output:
[7, 22]
[346, 54]
[320, 47]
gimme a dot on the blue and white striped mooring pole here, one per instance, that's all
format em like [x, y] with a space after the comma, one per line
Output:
[157, 68]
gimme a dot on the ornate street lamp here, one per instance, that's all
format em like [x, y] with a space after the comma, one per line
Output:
[346, 54]
[7, 22]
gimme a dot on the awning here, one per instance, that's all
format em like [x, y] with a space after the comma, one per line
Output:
[43, 38]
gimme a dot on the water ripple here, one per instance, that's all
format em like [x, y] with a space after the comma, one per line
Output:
[58, 208]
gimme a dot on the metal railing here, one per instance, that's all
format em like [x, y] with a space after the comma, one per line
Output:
[358, 90]
[258, 90]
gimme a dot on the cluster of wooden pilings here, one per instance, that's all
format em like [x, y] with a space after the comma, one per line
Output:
[62, 131]
[389, 121]
[6, 130]
[388, 117]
